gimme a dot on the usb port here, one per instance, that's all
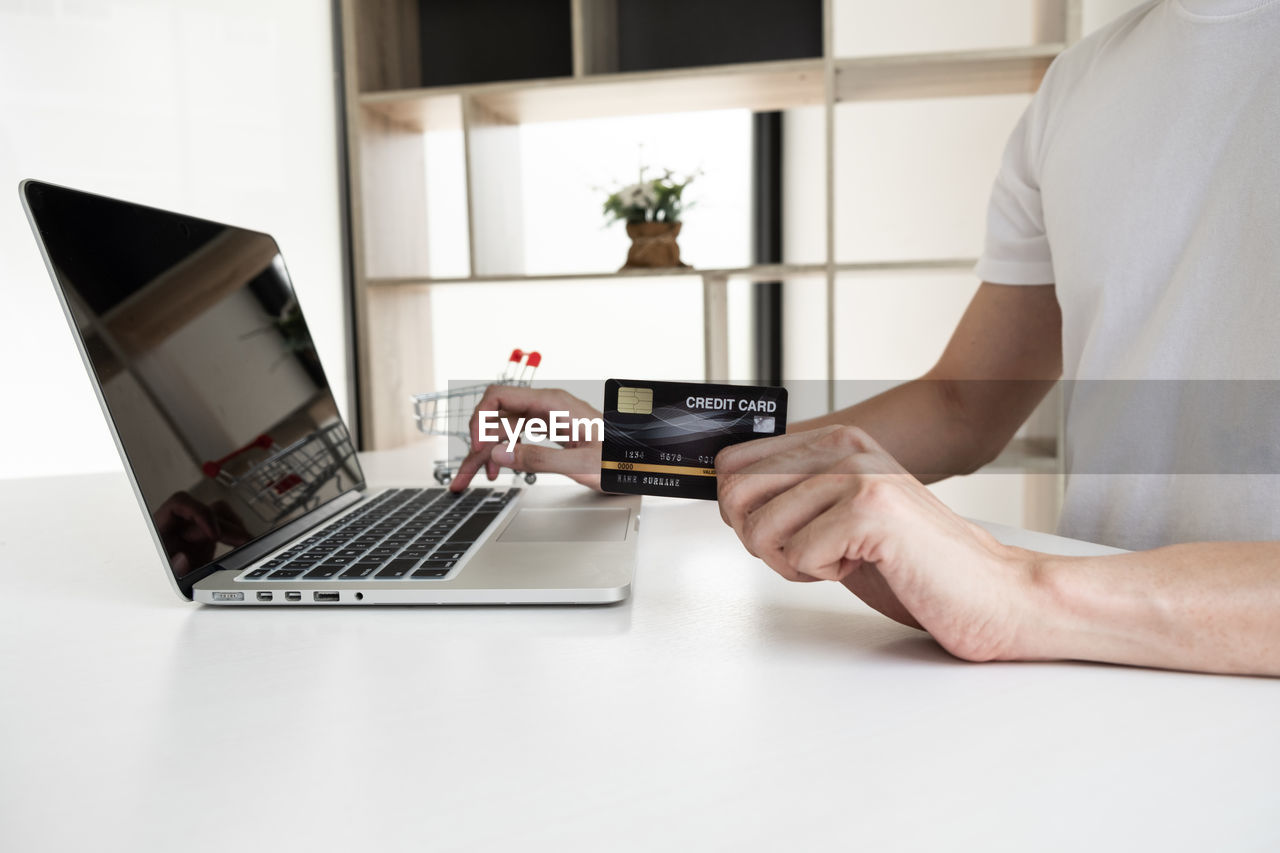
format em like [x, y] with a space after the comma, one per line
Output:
[264, 595]
[325, 596]
[293, 596]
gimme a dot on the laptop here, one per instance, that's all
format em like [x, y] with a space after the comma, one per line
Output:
[201, 358]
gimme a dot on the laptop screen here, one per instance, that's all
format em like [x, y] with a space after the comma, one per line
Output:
[206, 367]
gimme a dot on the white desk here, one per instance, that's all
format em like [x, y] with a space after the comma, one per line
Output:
[721, 708]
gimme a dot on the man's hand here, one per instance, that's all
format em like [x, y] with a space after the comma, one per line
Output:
[579, 460]
[831, 504]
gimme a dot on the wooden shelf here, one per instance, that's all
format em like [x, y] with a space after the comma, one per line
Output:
[908, 266]
[418, 110]
[764, 272]
[758, 86]
[944, 75]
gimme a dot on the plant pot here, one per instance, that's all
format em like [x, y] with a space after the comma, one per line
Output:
[653, 245]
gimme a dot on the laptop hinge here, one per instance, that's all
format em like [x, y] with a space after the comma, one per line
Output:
[247, 553]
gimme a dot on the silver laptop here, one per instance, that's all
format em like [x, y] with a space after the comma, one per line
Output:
[202, 361]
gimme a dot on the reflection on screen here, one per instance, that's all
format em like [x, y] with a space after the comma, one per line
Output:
[207, 366]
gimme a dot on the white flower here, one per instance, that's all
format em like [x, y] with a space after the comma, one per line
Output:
[638, 195]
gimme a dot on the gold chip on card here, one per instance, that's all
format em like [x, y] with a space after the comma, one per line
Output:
[635, 401]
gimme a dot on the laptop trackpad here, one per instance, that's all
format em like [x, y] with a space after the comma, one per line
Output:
[567, 525]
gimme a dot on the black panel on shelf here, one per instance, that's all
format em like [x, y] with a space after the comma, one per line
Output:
[480, 41]
[655, 34]
[766, 225]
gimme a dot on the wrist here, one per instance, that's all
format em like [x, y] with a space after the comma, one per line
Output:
[1083, 610]
[1029, 604]
[1046, 591]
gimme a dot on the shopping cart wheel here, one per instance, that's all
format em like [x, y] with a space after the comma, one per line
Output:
[443, 477]
[530, 478]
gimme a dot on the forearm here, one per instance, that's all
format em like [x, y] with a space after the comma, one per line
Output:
[928, 425]
[1207, 606]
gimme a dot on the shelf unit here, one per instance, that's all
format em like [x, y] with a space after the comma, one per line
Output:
[389, 109]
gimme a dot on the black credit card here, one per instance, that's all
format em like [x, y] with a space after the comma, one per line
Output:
[661, 438]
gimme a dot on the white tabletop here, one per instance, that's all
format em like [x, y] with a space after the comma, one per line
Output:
[720, 708]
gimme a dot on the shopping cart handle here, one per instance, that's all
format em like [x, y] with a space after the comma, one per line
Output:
[212, 469]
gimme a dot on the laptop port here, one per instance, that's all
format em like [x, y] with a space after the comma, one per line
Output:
[264, 595]
[325, 596]
[293, 596]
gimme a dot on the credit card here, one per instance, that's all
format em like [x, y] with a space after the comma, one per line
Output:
[661, 438]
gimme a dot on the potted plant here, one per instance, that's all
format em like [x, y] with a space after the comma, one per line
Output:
[652, 210]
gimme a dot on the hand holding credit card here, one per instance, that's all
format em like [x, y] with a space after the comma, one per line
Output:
[661, 438]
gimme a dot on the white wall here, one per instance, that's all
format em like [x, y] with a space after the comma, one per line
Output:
[218, 108]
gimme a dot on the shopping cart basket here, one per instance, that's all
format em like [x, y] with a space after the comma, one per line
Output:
[287, 477]
[448, 413]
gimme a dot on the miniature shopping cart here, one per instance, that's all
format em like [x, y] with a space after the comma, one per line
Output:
[286, 478]
[448, 413]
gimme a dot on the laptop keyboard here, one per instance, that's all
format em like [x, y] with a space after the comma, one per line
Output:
[401, 534]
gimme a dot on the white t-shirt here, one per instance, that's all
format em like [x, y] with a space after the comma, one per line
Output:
[1144, 183]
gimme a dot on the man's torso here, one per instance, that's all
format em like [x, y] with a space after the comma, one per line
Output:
[1160, 179]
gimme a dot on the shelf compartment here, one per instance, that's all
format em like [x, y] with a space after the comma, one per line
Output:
[877, 28]
[658, 34]
[760, 87]
[1005, 71]
[463, 41]
[392, 199]
[891, 331]
[913, 177]
[495, 204]
[628, 328]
